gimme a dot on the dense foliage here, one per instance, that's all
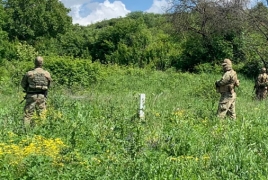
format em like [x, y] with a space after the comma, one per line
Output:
[184, 38]
[29, 20]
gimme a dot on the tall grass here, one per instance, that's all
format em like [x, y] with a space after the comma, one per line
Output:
[95, 133]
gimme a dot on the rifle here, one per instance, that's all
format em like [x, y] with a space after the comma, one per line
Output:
[254, 88]
[23, 98]
[45, 93]
[217, 87]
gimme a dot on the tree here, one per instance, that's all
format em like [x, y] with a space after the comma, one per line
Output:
[258, 23]
[32, 19]
[210, 23]
[6, 48]
[257, 39]
[76, 41]
[206, 17]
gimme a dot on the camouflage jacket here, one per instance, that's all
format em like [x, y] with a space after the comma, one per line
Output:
[36, 80]
[228, 82]
[262, 80]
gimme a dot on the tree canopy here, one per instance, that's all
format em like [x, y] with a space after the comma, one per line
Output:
[29, 20]
[190, 34]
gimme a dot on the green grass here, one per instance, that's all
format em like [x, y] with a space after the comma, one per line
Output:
[180, 137]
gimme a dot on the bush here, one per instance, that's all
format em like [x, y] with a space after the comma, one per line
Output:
[73, 72]
[251, 69]
[207, 68]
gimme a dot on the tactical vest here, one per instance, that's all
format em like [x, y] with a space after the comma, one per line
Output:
[264, 78]
[230, 87]
[261, 81]
[37, 82]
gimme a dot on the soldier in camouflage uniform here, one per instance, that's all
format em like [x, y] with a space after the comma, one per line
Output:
[261, 85]
[36, 84]
[226, 87]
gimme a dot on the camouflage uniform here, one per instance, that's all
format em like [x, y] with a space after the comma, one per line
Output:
[225, 86]
[36, 84]
[261, 85]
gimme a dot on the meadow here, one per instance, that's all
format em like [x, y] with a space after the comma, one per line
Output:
[95, 133]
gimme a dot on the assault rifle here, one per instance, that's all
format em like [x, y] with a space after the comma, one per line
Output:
[45, 93]
[254, 88]
[217, 87]
[24, 97]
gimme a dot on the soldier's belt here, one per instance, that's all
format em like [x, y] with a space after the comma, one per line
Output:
[36, 93]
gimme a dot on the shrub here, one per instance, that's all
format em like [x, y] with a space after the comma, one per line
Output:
[73, 72]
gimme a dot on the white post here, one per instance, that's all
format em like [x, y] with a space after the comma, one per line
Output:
[142, 106]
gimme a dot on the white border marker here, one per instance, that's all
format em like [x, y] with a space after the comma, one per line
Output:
[142, 106]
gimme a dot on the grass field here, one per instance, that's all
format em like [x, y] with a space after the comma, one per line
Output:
[95, 133]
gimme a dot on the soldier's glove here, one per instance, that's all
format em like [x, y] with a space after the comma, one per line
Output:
[216, 84]
[237, 83]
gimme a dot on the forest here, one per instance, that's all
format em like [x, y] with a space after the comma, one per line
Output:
[192, 36]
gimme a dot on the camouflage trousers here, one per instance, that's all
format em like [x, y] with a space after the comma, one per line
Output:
[34, 103]
[227, 105]
[261, 93]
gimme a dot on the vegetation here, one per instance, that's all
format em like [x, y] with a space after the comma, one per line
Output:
[190, 34]
[92, 130]
[95, 133]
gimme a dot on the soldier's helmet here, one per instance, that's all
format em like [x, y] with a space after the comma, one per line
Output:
[227, 64]
[38, 61]
[263, 70]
